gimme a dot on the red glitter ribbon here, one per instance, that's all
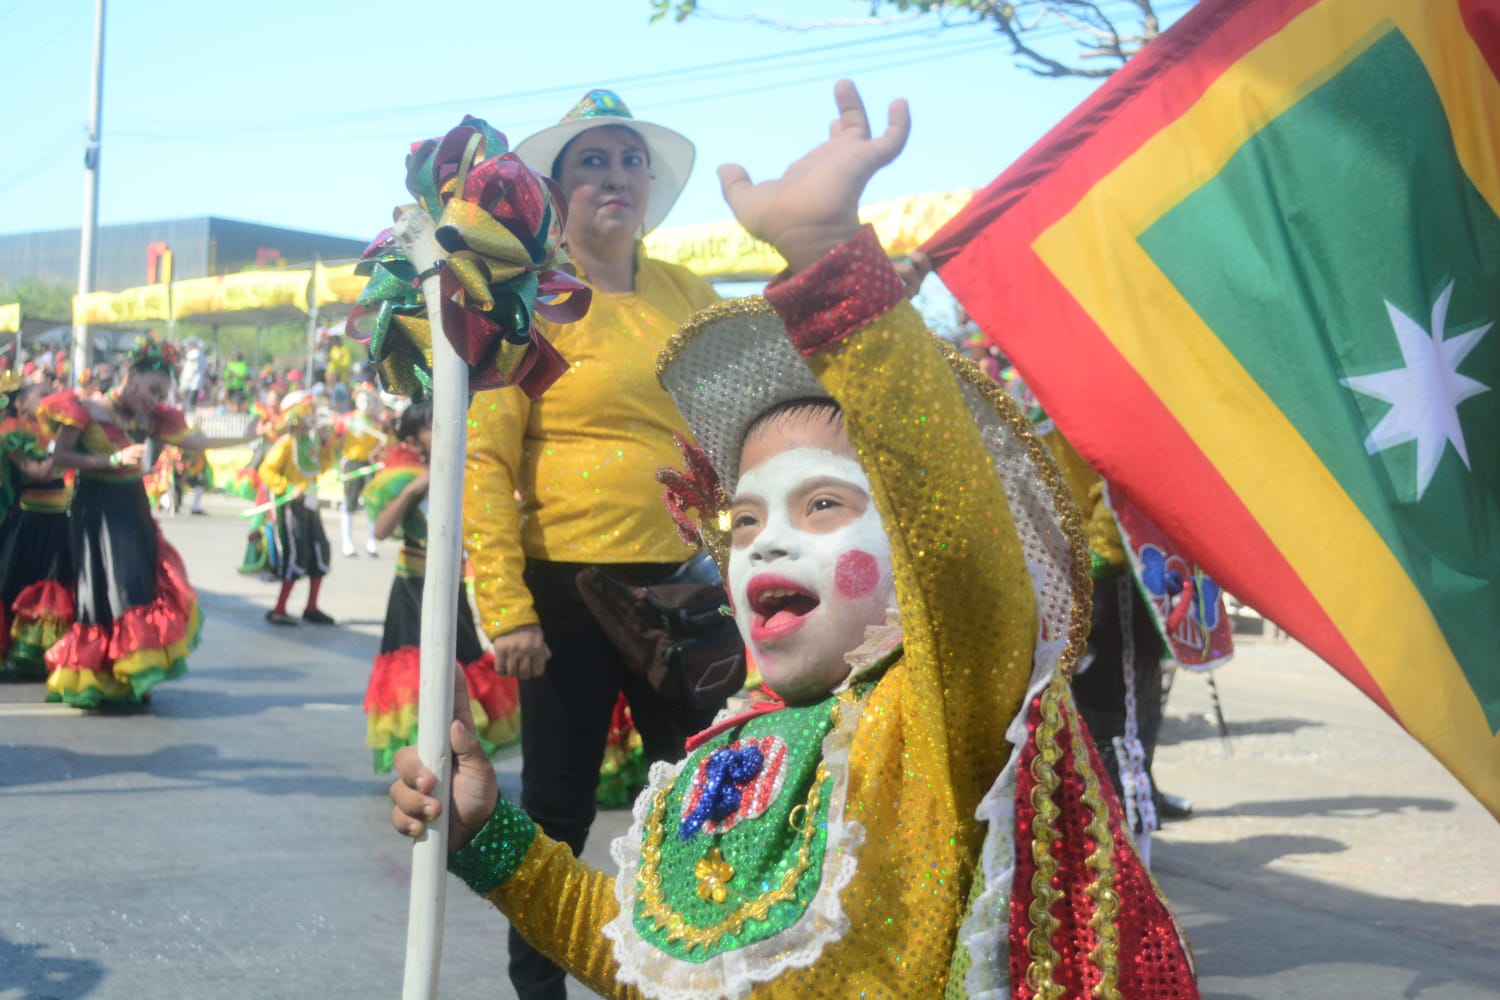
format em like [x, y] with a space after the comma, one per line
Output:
[697, 487]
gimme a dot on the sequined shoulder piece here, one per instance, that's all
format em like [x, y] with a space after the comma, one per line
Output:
[63, 409]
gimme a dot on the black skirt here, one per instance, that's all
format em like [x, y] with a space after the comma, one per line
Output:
[113, 541]
[403, 621]
[34, 546]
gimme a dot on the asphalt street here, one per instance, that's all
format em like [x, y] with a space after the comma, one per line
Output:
[232, 841]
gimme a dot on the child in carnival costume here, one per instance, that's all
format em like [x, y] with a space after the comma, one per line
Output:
[290, 471]
[396, 499]
[925, 815]
[137, 615]
[36, 571]
[361, 440]
[261, 555]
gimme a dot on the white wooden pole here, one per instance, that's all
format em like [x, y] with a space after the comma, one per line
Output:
[450, 401]
[83, 352]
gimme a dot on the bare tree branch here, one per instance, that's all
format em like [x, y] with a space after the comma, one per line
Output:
[1029, 25]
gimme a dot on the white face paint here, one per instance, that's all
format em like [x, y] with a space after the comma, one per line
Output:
[810, 569]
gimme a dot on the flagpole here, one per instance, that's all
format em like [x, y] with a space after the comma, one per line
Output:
[414, 230]
[82, 353]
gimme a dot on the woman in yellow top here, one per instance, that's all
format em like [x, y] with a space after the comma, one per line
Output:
[582, 460]
[290, 471]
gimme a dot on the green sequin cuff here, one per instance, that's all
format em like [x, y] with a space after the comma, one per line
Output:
[496, 851]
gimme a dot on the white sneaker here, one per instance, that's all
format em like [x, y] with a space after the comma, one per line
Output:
[372, 550]
[349, 551]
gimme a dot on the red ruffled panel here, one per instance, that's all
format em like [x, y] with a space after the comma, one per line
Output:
[1152, 960]
[393, 681]
[499, 695]
[44, 599]
[162, 623]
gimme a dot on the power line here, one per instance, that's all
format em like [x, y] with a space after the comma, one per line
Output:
[38, 50]
[521, 126]
[40, 158]
[653, 78]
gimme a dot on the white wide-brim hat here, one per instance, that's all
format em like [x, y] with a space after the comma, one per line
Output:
[733, 361]
[670, 152]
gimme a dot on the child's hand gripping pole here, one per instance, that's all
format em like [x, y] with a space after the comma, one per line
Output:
[414, 231]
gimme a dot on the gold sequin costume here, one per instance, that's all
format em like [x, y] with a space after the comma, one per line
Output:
[582, 456]
[903, 820]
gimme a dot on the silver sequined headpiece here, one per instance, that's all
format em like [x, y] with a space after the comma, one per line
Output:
[733, 361]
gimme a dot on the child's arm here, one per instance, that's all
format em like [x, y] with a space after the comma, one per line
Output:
[271, 466]
[390, 502]
[961, 578]
[965, 595]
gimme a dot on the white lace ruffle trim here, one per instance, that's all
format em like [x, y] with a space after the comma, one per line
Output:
[732, 974]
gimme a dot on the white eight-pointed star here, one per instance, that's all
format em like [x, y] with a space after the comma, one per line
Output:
[1424, 394]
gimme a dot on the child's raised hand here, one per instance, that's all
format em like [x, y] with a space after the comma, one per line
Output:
[814, 206]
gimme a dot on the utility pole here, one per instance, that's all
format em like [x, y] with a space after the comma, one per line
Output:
[82, 355]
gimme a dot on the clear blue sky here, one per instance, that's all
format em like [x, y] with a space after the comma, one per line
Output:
[299, 113]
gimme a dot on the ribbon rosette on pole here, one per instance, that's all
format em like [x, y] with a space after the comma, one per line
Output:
[501, 226]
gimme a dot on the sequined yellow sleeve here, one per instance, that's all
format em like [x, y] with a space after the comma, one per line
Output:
[273, 466]
[966, 602]
[492, 521]
[561, 905]
[557, 902]
[1088, 493]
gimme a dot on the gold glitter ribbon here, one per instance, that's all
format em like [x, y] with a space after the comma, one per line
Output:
[1043, 832]
[1101, 890]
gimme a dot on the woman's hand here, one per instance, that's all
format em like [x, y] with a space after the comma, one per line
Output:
[814, 206]
[913, 269]
[472, 792]
[130, 457]
[522, 654]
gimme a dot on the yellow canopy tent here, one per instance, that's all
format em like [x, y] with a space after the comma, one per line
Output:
[248, 298]
[719, 251]
[723, 251]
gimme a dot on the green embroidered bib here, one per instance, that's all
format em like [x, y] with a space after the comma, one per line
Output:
[732, 852]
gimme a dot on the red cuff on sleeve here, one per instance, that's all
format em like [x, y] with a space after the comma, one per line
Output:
[168, 423]
[842, 293]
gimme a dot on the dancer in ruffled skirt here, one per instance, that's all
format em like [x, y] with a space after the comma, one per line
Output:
[36, 571]
[396, 500]
[137, 615]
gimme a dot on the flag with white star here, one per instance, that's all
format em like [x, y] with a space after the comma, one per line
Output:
[1255, 280]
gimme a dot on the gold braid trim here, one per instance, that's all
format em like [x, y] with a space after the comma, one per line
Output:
[663, 917]
[1068, 515]
[1106, 954]
[1043, 832]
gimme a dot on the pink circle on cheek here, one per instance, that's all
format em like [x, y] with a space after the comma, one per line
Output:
[856, 574]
